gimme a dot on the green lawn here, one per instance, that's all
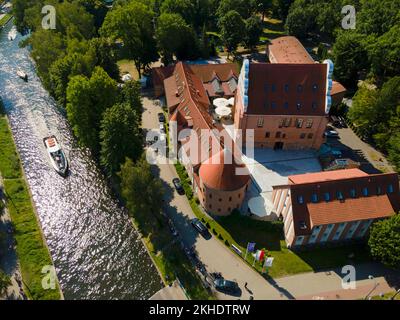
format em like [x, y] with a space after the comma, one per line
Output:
[4, 20]
[273, 28]
[31, 249]
[239, 230]
[387, 296]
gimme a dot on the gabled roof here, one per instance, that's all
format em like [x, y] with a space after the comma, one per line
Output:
[207, 72]
[289, 50]
[287, 89]
[326, 175]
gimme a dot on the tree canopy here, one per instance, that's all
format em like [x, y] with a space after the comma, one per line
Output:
[384, 241]
[232, 30]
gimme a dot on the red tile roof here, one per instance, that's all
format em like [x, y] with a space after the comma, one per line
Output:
[223, 71]
[267, 94]
[326, 175]
[289, 50]
[350, 210]
[223, 176]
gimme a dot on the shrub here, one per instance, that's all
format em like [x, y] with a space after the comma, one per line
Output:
[227, 243]
[207, 225]
[214, 231]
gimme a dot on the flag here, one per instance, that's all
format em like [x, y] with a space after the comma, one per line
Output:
[259, 255]
[268, 262]
[251, 246]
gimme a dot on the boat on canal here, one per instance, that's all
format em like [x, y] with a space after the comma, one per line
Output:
[56, 154]
[22, 75]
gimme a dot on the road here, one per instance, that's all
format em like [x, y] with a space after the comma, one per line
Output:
[218, 258]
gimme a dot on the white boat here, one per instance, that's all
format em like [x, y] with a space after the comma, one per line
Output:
[22, 75]
[57, 157]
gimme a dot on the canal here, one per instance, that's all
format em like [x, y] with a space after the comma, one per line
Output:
[96, 252]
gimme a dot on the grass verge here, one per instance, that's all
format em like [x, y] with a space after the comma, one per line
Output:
[4, 20]
[32, 251]
[239, 230]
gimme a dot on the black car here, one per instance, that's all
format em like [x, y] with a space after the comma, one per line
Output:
[226, 285]
[178, 186]
[201, 228]
[172, 228]
[161, 117]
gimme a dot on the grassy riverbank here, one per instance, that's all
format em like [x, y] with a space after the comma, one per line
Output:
[32, 251]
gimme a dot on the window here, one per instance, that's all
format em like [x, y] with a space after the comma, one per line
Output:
[266, 104]
[219, 199]
[210, 206]
[314, 198]
[265, 87]
[378, 190]
[299, 123]
[300, 199]
[273, 88]
[339, 195]
[239, 195]
[286, 105]
[210, 196]
[390, 188]
[288, 122]
[299, 240]
[309, 123]
[314, 87]
[260, 122]
[310, 135]
[302, 225]
[314, 106]
[283, 135]
[286, 88]
[327, 196]
[267, 134]
[219, 210]
[281, 122]
[273, 105]
[299, 88]
[230, 199]
[353, 193]
[278, 134]
[365, 192]
[302, 135]
[298, 105]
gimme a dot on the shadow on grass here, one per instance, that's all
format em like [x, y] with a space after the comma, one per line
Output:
[244, 229]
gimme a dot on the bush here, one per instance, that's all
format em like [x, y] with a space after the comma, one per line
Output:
[207, 225]
[227, 243]
[214, 232]
[220, 237]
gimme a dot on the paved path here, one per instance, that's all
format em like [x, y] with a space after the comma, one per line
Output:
[218, 258]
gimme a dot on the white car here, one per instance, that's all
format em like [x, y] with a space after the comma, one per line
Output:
[331, 134]
[162, 128]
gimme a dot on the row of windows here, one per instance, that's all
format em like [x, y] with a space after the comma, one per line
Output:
[299, 105]
[282, 135]
[287, 88]
[287, 122]
[219, 209]
[327, 196]
[220, 199]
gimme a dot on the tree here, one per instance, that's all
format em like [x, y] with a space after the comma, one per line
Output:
[120, 137]
[130, 93]
[280, 8]
[132, 23]
[262, 6]
[385, 52]
[232, 29]
[384, 241]
[240, 6]
[175, 37]
[185, 8]
[363, 111]
[254, 30]
[87, 99]
[377, 16]
[142, 192]
[301, 19]
[350, 56]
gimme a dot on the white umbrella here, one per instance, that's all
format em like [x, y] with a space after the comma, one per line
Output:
[220, 102]
[223, 111]
[231, 101]
[126, 77]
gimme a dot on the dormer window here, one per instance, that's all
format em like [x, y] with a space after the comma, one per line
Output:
[314, 198]
[327, 196]
[273, 88]
[298, 105]
[378, 190]
[299, 88]
[390, 188]
[353, 193]
[339, 195]
[273, 105]
[314, 87]
[365, 192]
[300, 199]
[286, 88]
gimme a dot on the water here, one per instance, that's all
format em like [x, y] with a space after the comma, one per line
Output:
[96, 252]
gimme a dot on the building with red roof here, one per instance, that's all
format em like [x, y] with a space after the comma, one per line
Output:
[334, 206]
[288, 49]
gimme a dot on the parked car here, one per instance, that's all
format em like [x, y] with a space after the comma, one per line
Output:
[226, 285]
[161, 117]
[331, 134]
[201, 228]
[172, 228]
[178, 186]
[342, 122]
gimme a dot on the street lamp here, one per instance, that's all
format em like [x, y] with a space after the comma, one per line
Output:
[375, 285]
